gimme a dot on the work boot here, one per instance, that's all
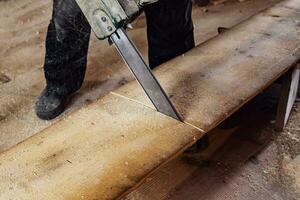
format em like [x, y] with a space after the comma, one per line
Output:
[49, 105]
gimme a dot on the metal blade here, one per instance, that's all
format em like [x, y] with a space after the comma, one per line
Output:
[143, 74]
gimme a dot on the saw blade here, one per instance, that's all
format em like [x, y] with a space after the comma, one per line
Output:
[143, 74]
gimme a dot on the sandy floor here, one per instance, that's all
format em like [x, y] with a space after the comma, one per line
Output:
[260, 160]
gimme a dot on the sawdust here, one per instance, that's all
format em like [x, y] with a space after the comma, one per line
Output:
[288, 143]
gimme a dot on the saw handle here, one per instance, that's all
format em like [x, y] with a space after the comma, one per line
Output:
[107, 16]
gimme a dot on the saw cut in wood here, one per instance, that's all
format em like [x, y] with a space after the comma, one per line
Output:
[108, 19]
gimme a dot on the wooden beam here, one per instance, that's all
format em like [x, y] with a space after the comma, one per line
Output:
[166, 179]
[110, 146]
[298, 92]
[22, 56]
[211, 82]
[98, 152]
[287, 98]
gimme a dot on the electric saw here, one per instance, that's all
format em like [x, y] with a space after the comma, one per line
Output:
[108, 19]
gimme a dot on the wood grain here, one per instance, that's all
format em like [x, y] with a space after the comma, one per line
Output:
[23, 27]
[215, 79]
[97, 153]
[110, 146]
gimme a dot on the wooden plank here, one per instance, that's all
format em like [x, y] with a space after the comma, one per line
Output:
[97, 153]
[161, 184]
[288, 97]
[212, 81]
[298, 92]
[22, 54]
[108, 147]
[164, 181]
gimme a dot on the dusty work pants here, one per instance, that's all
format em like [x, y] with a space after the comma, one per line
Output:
[169, 28]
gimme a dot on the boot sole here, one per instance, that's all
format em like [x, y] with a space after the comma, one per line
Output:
[51, 115]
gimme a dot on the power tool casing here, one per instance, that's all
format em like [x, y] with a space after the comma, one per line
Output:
[106, 16]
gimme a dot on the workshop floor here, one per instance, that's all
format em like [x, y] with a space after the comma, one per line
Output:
[254, 163]
[262, 169]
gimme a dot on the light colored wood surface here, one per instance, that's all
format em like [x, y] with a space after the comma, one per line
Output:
[161, 184]
[23, 26]
[292, 94]
[209, 83]
[104, 149]
[97, 153]
[287, 98]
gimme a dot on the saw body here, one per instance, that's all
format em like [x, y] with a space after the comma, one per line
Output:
[108, 18]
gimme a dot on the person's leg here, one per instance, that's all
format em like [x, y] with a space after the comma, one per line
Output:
[170, 30]
[66, 47]
[66, 57]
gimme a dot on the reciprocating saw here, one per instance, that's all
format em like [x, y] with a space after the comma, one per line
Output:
[108, 19]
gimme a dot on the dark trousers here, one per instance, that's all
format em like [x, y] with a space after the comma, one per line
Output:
[169, 29]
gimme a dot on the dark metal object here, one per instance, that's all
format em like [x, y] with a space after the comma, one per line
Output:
[143, 74]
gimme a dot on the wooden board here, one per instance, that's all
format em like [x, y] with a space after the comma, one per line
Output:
[168, 178]
[212, 81]
[22, 33]
[103, 150]
[97, 153]
[287, 98]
